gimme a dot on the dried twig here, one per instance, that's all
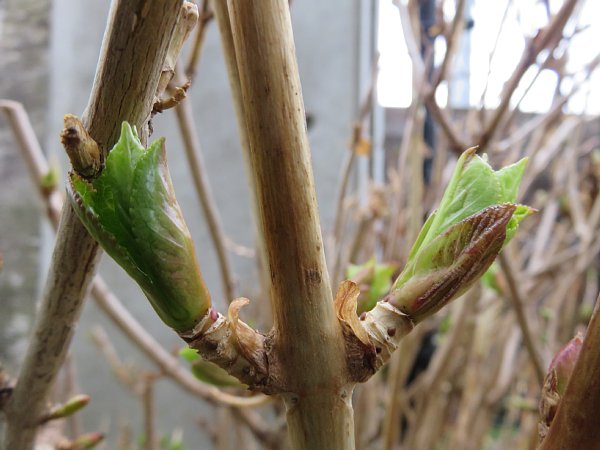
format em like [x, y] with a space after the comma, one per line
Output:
[547, 37]
[517, 303]
[197, 167]
[419, 74]
[206, 16]
[452, 36]
[34, 156]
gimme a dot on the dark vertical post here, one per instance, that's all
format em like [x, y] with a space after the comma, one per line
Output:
[427, 19]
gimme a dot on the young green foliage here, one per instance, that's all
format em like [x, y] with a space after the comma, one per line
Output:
[374, 281]
[460, 240]
[207, 371]
[131, 210]
[67, 409]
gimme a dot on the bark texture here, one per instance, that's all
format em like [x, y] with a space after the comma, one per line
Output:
[576, 423]
[132, 55]
[306, 346]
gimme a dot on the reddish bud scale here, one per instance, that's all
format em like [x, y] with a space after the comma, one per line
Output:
[462, 254]
[556, 381]
[564, 361]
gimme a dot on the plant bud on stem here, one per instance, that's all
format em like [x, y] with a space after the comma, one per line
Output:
[67, 409]
[131, 210]
[556, 380]
[456, 259]
[82, 150]
[87, 441]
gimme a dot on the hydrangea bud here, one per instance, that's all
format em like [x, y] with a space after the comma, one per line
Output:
[555, 382]
[131, 210]
[459, 241]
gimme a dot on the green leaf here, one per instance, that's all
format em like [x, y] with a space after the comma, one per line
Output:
[373, 279]
[69, 408]
[459, 241]
[87, 441]
[131, 210]
[474, 186]
[173, 442]
[207, 371]
[51, 179]
[210, 373]
[382, 281]
[449, 264]
[189, 354]
[354, 269]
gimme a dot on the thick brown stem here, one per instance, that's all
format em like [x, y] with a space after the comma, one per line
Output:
[576, 422]
[124, 88]
[306, 348]
[221, 13]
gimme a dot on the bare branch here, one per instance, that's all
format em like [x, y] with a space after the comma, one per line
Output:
[544, 39]
[205, 17]
[313, 373]
[516, 300]
[114, 309]
[197, 167]
[136, 57]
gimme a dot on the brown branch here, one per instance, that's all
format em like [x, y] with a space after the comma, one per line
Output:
[197, 167]
[455, 29]
[221, 14]
[132, 51]
[339, 216]
[555, 111]
[33, 155]
[443, 356]
[74, 424]
[457, 145]
[105, 299]
[188, 17]
[179, 94]
[489, 64]
[439, 115]
[399, 370]
[140, 384]
[411, 40]
[313, 374]
[205, 17]
[576, 422]
[545, 38]
[357, 140]
[161, 357]
[411, 138]
[516, 300]
[123, 373]
[147, 394]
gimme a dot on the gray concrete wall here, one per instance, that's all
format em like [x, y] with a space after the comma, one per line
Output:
[326, 48]
[23, 77]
